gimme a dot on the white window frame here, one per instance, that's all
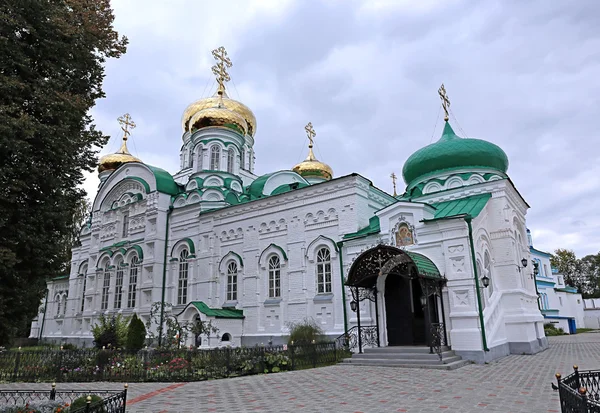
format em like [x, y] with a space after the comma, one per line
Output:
[274, 286]
[134, 267]
[182, 279]
[232, 281]
[323, 270]
[215, 157]
[105, 288]
[119, 278]
[230, 160]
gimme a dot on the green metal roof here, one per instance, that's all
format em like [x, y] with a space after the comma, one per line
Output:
[425, 266]
[164, 181]
[471, 205]
[215, 312]
[452, 152]
[372, 228]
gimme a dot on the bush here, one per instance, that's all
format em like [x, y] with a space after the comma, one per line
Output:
[69, 346]
[80, 402]
[136, 334]
[305, 332]
[551, 330]
[111, 332]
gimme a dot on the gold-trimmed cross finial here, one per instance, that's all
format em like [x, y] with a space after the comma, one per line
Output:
[220, 68]
[393, 176]
[445, 101]
[310, 132]
[126, 125]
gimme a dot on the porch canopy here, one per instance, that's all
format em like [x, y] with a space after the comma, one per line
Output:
[386, 259]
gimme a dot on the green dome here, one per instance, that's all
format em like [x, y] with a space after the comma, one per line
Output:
[452, 152]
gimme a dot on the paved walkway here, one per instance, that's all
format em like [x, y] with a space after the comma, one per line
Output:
[513, 384]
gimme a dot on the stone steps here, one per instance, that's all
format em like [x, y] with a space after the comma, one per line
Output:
[408, 357]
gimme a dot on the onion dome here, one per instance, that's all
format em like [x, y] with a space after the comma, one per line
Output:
[218, 116]
[211, 102]
[112, 161]
[452, 153]
[311, 168]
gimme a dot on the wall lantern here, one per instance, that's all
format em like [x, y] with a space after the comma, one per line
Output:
[524, 262]
[353, 305]
[423, 301]
[485, 280]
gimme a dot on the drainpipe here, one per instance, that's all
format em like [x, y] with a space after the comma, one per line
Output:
[339, 245]
[44, 316]
[164, 280]
[468, 220]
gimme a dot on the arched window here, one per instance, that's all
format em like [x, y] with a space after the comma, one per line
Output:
[105, 288]
[323, 271]
[215, 157]
[232, 271]
[83, 273]
[64, 298]
[133, 278]
[274, 277]
[243, 159]
[487, 270]
[230, 158]
[182, 286]
[58, 300]
[199, 152]
[480, 275]
[226, 337]
[192, 159]
[119, 285]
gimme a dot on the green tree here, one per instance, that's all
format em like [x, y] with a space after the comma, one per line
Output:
[591, 268]
[111, 331]
[136, 334]
[568, 265]
[51, 71]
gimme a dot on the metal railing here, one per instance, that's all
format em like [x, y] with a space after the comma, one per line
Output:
[161, 365]
[111, 401]
[438, 338]
[358, 338]
[580, 391]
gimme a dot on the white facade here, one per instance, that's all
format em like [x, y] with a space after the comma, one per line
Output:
[278, 249]
[591, 313]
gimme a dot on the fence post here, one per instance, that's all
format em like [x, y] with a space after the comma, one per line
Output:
[125, 396]
[291, 348]
[314, 354]
[228, 361]
[584, 399]
[59, 365]
[53, 392]
[576, 368]
[335, 352]
[17, 364]
[262, 360]
[88, 402]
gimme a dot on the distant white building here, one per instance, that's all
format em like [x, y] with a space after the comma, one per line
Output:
[591, 312]
[560, 304]
[253, 253]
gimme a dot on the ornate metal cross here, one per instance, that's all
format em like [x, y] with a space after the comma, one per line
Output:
[126, 124]
[445, 101]
[220, 68]
[393, 176]
[310, 132]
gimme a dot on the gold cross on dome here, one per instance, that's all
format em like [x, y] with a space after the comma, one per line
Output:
[445, 101]
[126, 125]
[393, 176]
[220, 68]
[310, 132]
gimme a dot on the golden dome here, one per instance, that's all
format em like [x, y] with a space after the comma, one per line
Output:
[220, 116]
[312, 168]
[112, 161]
[213, 101]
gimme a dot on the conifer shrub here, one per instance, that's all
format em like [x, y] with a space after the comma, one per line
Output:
[305, 332]
[136, 334]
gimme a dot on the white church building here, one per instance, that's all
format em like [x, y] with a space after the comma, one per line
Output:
[440, 263]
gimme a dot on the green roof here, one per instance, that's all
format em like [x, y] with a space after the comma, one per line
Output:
[425, 266]
[164, 181]
[450, 153]
[471, 205]
[372, 228]
[60, 277]
[215, 312]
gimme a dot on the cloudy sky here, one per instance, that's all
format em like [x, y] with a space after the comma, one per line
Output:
[522, 74]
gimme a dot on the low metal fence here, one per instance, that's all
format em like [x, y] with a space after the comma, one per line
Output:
[161, 365]
[75, 401]
[580, 391]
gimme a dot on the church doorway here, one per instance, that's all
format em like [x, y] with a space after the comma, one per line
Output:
[405, 288]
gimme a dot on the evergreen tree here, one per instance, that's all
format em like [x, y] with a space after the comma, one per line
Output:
[136, 334]
[51, 71]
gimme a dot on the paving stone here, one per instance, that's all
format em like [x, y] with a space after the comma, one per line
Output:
[514, 384]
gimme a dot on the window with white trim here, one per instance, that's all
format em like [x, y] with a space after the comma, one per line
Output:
[58, 300]
[119, 285]
[182, 285]
[83, 273]
[65, 297]
[125, 224]
[274, 277]
[243, 159]
[134, 266]
[215, 157]
[192, 159]
[232, 276]
[323, 271]
[105, 288]
[230, 159]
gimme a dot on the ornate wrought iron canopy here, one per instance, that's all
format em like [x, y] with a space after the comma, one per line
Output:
[385, 259]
